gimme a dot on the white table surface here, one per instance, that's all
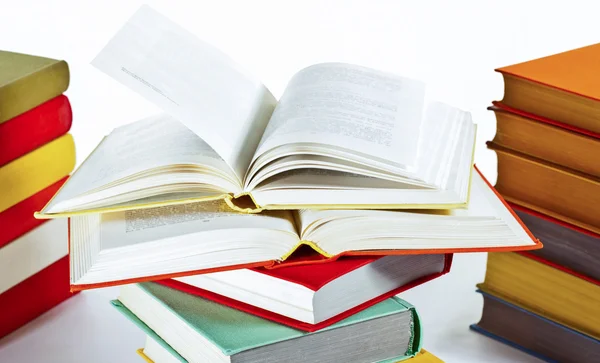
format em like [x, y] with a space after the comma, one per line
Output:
[453, 45]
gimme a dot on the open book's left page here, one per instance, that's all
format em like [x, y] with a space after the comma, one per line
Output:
[192, 81]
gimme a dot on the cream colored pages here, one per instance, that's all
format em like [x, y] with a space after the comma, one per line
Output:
[350, 107]
[149, 144]
[121, 229]
[193, 81]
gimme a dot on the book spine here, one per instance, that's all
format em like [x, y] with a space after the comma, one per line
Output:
[35, 171]
[32, 90]
[34, 128]
[34, 296]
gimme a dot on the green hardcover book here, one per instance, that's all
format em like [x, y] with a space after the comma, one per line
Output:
[26, 81]
[197, 330]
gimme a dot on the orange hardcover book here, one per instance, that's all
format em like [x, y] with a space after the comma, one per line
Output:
[562, 193]
[175, 241]
[564, 87]
[539, 137]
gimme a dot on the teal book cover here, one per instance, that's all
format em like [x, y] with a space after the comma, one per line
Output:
[234, 331]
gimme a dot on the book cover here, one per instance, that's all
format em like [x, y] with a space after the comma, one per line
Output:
[313, 277]
[561, 87]
[34, 296]
[553, 291]
[544, 139]
[534, 334]
[548, 188]
[220, 324]
[32, 172]
[18, 219]
[34, 128]
[27, 81]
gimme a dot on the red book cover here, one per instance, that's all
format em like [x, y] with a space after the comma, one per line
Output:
[34, 296]
[34, 128]
[18, 219]
[313, 276]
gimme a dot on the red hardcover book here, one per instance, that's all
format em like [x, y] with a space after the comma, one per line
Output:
[34, 128]
[291, 295]
[34, 296]
[18, 219]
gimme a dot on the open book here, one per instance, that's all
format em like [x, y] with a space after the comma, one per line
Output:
[341, 136]
[186, 239]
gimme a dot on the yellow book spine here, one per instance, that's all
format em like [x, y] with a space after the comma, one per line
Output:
[550, 292]
[36, 170]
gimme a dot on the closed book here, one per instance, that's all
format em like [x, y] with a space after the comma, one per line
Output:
[564, 244]
[34, 171]
[533, 333]
[538, 285]
[32, 252]
[155, 352]
[312, 297]
[33, 296]
[561, 87]
[548, 188]
[34, 128]
[153, 244]
[200, 330]
[27, 81]
[18, 219]
[545, 139]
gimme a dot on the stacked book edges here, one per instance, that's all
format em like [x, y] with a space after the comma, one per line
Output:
[36, 156]
[548, 142]
[184, 328]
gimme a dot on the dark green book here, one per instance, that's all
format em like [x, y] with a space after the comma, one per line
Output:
[27, 81]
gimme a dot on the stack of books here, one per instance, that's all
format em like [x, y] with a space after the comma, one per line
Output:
[249, 229]
[36, 156]
[547, 302]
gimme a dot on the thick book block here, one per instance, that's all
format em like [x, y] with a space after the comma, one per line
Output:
[34, 296]
[564, 244]
[27, 81]
[564, 87]
[319, 295]
[18, 219]
[533, 333]
[538, 285]
[549, 140]
[565, 194]
[34, 128]
[200, 330]
[32, 172]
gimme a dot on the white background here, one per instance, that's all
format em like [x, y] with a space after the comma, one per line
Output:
[453, 45]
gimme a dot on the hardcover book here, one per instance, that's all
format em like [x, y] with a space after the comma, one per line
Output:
[34, 296]
[155, 351]
[561, 87]
[18, 219]
[313, 296]
[32, 172]
[541, 286]
[187, 239]
[203, 331]
[34, 128]
[564, 244]
[341, 136]
[27, 81]
[533, 333]
[562, 193]
[545, 139]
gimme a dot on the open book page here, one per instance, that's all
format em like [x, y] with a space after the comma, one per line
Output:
[154, 142]
[192, 81]
[352, 108]
[128, 228]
